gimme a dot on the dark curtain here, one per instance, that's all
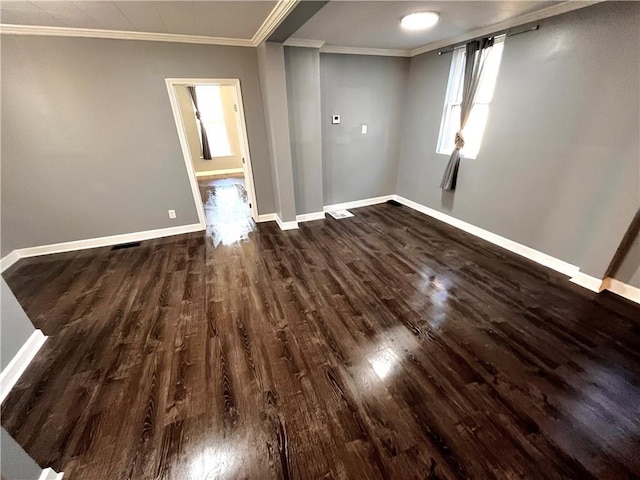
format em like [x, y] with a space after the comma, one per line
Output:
[206, 153]
[476, 59]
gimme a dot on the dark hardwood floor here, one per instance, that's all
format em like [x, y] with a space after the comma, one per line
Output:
[386, 345]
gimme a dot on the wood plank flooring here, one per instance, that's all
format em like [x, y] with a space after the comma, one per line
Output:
[386, 345]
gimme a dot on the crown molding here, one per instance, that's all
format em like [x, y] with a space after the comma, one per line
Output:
[277, 15]
[301, 42]
[541, 14]
[120, 35]
[382, 52]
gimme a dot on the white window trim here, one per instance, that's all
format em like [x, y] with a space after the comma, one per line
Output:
[446, 109]
[452, 86]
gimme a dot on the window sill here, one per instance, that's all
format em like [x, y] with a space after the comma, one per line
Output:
[462, 157]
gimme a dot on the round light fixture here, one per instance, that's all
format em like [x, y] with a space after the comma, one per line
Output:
[419, 21]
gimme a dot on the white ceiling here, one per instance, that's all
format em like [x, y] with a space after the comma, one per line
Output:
[376, 24]
[229, 19]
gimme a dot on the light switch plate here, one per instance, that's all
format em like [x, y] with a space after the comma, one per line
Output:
[335, 119]
[364, 129]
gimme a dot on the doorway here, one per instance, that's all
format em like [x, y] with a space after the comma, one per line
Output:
[217, 159]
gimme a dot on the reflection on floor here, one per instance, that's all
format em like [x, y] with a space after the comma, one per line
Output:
[226, 209]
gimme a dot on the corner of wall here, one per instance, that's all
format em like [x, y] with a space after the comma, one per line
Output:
[274, 95]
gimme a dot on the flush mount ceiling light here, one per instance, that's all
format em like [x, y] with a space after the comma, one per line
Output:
[419, 21]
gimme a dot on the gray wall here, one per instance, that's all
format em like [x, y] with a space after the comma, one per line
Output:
[558, 169]
[15, 326]
[302, 67]
[362, 90]
[89, 144]
[16, 464]
[629, 271]
[276, 119]
[15, 329]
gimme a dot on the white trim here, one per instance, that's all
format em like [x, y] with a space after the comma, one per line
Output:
[9, 260]
[274, 217]
[275, 17]
[515, 247]
[241, 124]
[273, 20]
[108, 241]
[224, 171]
[304, 43]
[102, 241]
[576, 276]
[19, 363]
[358, 203]
[308, 217]
[620, 288]
[50, 474]
[292, 225]
[382, 52]
[507, 24]
[184, 144]
[587, 281]
[9, 29]
[267, 217]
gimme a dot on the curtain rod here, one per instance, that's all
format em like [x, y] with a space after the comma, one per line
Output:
[528, 29]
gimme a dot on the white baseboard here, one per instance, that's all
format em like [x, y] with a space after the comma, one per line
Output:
[50, 474]
[267, 217]
[9, 260]
[274, 217]
[97, 242]
[515, 247]
[308, 217]
[624, 290]
[358, 203]
[292, 225]
[19, 363]
[579, 278]
[587, 281]
[224, 171]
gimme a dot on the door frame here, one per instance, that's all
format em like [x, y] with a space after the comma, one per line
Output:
[242, 132]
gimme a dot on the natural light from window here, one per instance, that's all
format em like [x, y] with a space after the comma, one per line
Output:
[479, 113]
[212, 116]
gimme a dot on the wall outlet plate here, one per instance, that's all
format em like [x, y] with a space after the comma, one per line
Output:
[172, 214]
[335, 119]
[364, 129]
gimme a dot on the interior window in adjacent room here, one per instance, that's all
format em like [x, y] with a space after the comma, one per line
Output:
[212, 116]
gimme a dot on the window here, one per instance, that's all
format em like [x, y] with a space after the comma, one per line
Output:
[480, 111]
[212, 116]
